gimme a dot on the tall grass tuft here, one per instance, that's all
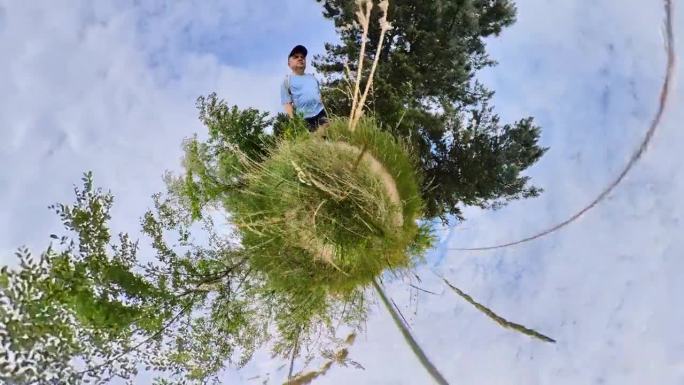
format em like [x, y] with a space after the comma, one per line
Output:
[330, 213]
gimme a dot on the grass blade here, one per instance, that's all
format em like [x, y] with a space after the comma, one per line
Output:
[498, 319]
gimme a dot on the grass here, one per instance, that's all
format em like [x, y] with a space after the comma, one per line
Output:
[330, 213]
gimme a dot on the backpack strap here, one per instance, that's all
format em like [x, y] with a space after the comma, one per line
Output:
[287, 85]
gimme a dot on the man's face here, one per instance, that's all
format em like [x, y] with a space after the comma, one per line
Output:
[297, 62]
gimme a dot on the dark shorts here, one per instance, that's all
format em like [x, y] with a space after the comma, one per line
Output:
[315, 121]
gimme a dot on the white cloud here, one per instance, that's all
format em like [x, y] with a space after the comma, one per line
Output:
[111, 87]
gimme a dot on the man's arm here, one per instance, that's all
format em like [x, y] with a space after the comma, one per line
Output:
[289, 110]
[286, 98]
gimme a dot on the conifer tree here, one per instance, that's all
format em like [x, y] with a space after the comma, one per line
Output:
[425, 90]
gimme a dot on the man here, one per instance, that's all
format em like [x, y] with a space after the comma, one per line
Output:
[300, 92]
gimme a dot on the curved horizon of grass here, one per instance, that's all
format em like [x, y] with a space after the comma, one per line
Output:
[312, 194]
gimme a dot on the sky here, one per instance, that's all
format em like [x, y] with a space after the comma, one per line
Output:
[111, 87]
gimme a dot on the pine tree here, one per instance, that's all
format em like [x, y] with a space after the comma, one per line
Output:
[426, 91]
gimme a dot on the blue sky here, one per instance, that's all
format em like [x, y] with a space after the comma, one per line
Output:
[110, 87]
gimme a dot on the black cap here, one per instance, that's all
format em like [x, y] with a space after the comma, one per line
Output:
[298, 49]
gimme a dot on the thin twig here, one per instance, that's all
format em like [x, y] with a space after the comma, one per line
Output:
[418, 288]
[400, 314]
[413, 344]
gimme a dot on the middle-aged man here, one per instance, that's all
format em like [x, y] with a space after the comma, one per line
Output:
[300, 92]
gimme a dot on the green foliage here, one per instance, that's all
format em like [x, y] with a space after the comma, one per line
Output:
[91, 282]
[79, 301]
[289, 128]
[231, 128]
[25, 312]
[315, 222]
[425, 91]
[216, 163]
[90, 310]
[316, 214]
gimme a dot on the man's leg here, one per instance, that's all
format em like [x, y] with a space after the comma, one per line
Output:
[314, 122]
[322, 119]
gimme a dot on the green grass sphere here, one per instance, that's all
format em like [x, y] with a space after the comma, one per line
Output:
[333, 211]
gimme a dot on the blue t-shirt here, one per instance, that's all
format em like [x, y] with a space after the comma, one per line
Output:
[303, 93]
